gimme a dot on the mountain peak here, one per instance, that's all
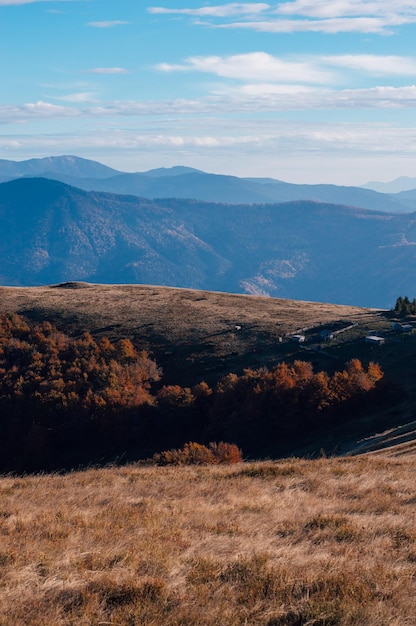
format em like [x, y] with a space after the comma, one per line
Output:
[65, 165]
[403, 183]
[176, 170]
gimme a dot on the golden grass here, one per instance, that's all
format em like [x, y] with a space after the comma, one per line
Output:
[177, 310]
[296, 542]
[192, 334]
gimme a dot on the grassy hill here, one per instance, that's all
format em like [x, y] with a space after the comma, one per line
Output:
[197, 336]
[296, 542]
[293, 543]
[192, 334]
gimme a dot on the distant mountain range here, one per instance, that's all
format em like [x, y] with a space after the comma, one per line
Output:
[185, 182]
[403, 183]
[51, 233]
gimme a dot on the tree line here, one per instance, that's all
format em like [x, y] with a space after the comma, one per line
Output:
[404, 306]
[66, 402]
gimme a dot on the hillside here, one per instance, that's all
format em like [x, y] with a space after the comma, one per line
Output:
[200, 336]
[330, 541]
[231, 189]
[191, 333]
[51, 232]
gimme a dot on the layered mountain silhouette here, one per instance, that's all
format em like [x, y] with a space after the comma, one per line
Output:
[54, 168]
[52, 232]
[185, 182]
[403, 183]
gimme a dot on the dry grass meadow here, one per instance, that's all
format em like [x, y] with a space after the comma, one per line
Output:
[192, 334]
[296, 542]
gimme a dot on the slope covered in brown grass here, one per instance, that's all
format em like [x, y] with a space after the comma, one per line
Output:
[324, 542]
[192, 334]
[197, 335]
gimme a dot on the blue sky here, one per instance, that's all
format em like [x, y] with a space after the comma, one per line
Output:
[304, 90]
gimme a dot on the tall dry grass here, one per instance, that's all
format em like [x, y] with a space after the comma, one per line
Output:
[323, 542]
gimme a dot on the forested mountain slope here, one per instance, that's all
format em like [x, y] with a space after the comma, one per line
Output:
[51, 232]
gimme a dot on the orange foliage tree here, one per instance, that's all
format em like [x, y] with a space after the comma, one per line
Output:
[193, 453]
[261, 405]
[57, 389]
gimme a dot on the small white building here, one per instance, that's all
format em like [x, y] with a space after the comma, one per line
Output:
[298, 338]
[376, 341]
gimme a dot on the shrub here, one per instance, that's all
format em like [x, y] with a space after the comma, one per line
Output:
[197, 454]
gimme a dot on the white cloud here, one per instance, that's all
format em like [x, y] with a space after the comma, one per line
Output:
[257, 98]
[340, 8]
[376, 65]
[224, 10]
[255, 66]
[296, 136]
[78, 97]
[373, 25]
[376, 97]
[46, 109]
[371, 16]
[109, 70]
[25, 112]
[262, 89]
[251, 98]
[107, 24]
[260, 67]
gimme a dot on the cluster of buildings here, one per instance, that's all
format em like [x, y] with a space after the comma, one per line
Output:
[373, 337]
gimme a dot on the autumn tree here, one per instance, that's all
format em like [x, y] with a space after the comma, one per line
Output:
[65, 392]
